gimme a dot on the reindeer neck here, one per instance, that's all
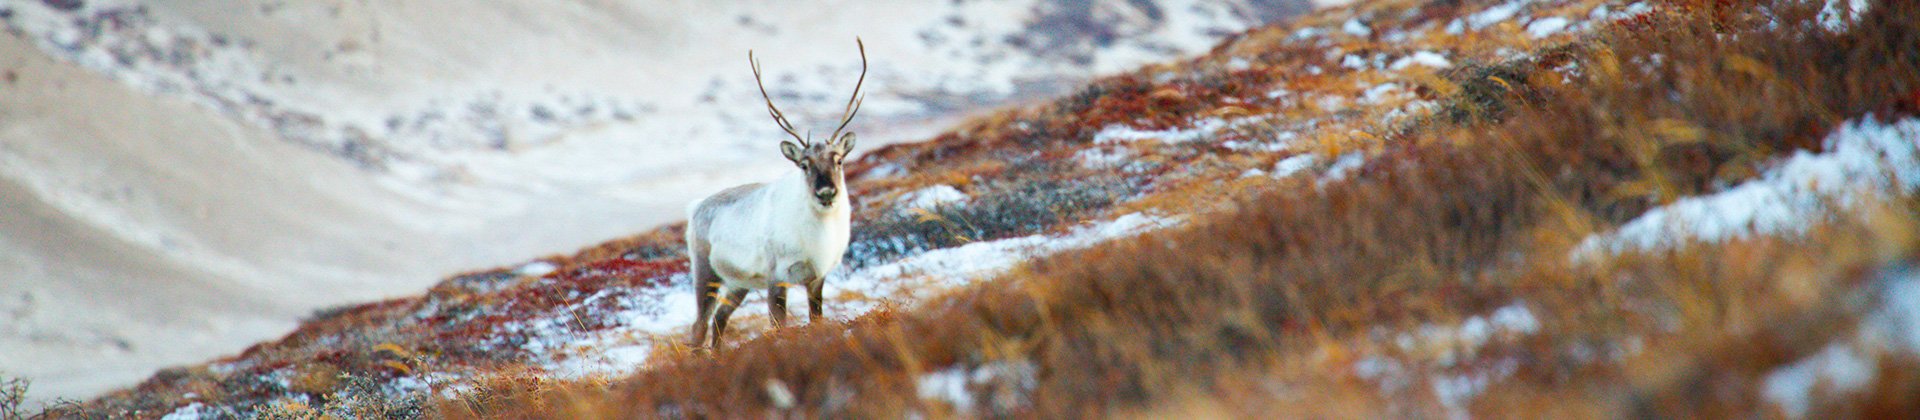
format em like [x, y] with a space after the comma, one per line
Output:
[792, 190]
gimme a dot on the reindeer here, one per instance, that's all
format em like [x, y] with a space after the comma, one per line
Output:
[787, 232]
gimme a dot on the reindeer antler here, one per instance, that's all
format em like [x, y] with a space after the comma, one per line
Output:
[853, 103]
[775, 112]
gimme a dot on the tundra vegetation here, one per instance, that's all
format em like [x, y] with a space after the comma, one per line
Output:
[1386, 210]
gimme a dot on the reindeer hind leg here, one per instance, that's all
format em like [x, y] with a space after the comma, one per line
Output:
[706, 289]
[728, 303]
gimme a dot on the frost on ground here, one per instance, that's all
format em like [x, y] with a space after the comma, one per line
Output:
[1862, 159]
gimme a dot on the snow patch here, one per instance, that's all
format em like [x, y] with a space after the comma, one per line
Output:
[194, 411]
[1120, 133]
[1450, 344]
[1344, 166]
[1863, 159]
[1840, 367]
[536, 269]
[1353, 62]
[1423, 58]
[1005, 384]
[1891, 325]
[1100, 157]
[1454, 377]
[930, 197]
[559, 344]
[1543, 28]
[1494, 15]
[1380, 92]
[1897, 321]
[1293, 165]
[1836, 15]
[913, 278]
[1355, 28]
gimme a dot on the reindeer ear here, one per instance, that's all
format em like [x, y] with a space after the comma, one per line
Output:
[845, 145]
[792, 151]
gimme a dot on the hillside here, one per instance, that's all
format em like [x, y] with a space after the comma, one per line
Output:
[1572, 208]
[185, 179]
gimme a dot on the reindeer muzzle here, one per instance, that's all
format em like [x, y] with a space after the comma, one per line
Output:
[825, 195]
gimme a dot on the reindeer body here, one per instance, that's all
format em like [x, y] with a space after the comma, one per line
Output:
[752, 235]
[789, 232]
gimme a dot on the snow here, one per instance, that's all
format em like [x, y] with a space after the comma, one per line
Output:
[536, 269]
[1515, 318]
[1447, 357]
[1837, 14]
[1390, 374]
[1356, 28]
[1542, 28]
[1635, 9]
[1201, 129]
[1455, 391]
[931, 197]
[194, 411]
[1494, 15]
[1101, 157]
[1343, 166]
[1450, 344]
[1293, 165]
[1896, 322]
[1353, 62]
[948, 385]
[1863, 159]
[965, 264]
[779, 393]
[1281, 141]
[1006, 381]
[643, 316]
[1423, 58]
[1849, 364]
[1306, 33]
[1841, 368]
[1380, 93]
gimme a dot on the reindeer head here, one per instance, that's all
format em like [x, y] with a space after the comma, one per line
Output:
[820, 161]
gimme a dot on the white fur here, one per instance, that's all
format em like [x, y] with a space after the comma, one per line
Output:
[754, 241]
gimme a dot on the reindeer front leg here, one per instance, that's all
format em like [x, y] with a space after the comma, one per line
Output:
[777, 304]
[803, 274]
[813, 299]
